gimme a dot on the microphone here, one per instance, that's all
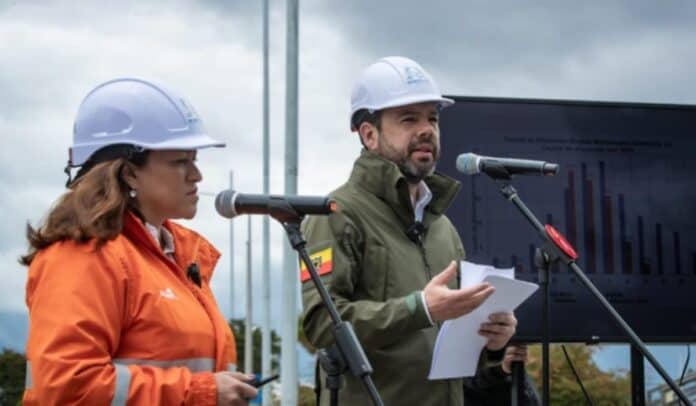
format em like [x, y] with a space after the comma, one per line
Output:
[471, 164]
[415, 232]
[230, 203]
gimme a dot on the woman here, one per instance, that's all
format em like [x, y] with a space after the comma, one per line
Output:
[119, 300]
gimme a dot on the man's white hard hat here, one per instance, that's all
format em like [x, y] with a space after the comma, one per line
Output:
[394, 81]
[137, 112]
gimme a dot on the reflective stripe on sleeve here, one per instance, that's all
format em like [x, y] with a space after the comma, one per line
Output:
[232, 367]
[27, 377]
[193, 364]
[123, 377]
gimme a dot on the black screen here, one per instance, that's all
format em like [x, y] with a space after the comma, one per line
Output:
[625, 198]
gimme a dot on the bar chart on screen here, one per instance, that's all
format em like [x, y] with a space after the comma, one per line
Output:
[625, 198]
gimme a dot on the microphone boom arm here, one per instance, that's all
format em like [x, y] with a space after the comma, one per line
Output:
[349, 348]
[509, 192]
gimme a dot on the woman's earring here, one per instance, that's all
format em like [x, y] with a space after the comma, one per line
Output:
[132, 193]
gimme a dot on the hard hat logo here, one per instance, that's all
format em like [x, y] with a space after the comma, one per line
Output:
[393, 82]
[414, 75]
[188, 110]
[136, 112]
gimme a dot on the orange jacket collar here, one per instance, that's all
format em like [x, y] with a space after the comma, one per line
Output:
[189, 246]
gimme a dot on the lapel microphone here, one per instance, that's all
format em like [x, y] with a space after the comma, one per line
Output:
[415, 232]
[194, 274]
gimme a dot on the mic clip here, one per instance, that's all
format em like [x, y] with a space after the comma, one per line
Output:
[194, 274]
[415, 232]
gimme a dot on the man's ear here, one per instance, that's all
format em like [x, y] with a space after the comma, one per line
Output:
[128, 175]
[369, 135]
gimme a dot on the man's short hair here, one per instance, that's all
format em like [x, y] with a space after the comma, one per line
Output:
[362, 115]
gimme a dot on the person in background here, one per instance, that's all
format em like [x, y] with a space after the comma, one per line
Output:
[389, 256]
[119, 298]
[494, 386]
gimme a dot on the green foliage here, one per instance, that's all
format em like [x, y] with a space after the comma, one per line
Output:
[13, 367]
[605, 388]
[239, 327]
[305, 397]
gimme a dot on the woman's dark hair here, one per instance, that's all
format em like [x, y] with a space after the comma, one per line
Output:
[92, 208]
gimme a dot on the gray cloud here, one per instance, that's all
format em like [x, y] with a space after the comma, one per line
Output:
[541, 49]
[55, 51]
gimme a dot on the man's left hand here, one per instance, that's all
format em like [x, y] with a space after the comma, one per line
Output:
[498, 330]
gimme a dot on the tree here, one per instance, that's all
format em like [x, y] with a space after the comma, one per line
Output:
[13, 366]
[239, 327]
[605, 388]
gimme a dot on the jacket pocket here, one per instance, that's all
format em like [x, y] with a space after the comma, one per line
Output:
[375, 274]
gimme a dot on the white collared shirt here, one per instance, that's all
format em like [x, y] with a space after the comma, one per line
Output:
[163, 238]
[424, 198]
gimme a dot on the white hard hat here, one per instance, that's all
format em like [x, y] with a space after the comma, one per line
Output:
[392, 82]
[137, 112]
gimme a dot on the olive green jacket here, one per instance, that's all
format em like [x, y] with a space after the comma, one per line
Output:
[376, 277]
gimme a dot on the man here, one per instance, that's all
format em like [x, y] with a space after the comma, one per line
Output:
[493, 386]
[389, 257]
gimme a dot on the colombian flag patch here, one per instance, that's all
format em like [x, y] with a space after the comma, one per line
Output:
[323, 263]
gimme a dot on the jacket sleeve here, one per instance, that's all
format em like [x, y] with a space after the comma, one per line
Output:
[77, 312]
[377, 324]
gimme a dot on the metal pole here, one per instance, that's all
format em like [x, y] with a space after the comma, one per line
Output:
[248, 341]
[637, 378]
[266, 271]
[290, 264]
[232, 255]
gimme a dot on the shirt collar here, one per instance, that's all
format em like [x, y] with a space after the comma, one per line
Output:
[163, 238]
[424, 197]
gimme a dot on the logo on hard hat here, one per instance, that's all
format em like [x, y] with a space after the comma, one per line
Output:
[188, 111]
[414, 75]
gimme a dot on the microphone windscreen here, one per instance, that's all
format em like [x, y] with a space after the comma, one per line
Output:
[468, 163]
[224, 203]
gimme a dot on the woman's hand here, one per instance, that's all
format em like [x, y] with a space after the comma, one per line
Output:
[233, 389]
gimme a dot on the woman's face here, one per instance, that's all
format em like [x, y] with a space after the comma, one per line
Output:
[166, 185]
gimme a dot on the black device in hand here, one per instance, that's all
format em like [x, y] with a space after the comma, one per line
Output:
[257, 383]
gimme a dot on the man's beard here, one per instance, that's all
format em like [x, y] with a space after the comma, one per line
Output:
[413, 170]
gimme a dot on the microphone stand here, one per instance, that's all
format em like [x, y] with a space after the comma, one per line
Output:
[556, 246]
[346, 350]
[517, 392]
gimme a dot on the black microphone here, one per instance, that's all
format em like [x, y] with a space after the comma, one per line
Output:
[471, 164]
[415, 232]
[194, 274]
[230, 203]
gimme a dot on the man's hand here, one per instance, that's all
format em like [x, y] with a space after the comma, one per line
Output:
[513, 353]
[498, 330]
[233, 389]
[445, 303]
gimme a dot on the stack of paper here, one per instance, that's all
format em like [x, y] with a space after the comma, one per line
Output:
[458, 344]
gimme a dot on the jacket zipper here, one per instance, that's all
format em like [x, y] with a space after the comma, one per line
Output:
[425, 260]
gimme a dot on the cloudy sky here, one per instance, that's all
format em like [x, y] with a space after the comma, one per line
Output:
[54, 52]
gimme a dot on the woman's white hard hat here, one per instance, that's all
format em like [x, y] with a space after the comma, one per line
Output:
[137, 112]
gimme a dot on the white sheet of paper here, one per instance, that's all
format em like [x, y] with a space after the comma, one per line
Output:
[458, 343]
[474, 273]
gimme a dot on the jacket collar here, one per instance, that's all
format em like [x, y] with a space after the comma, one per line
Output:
[190, 246]
[383, 179]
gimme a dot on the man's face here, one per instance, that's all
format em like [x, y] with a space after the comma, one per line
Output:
[410, 137]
